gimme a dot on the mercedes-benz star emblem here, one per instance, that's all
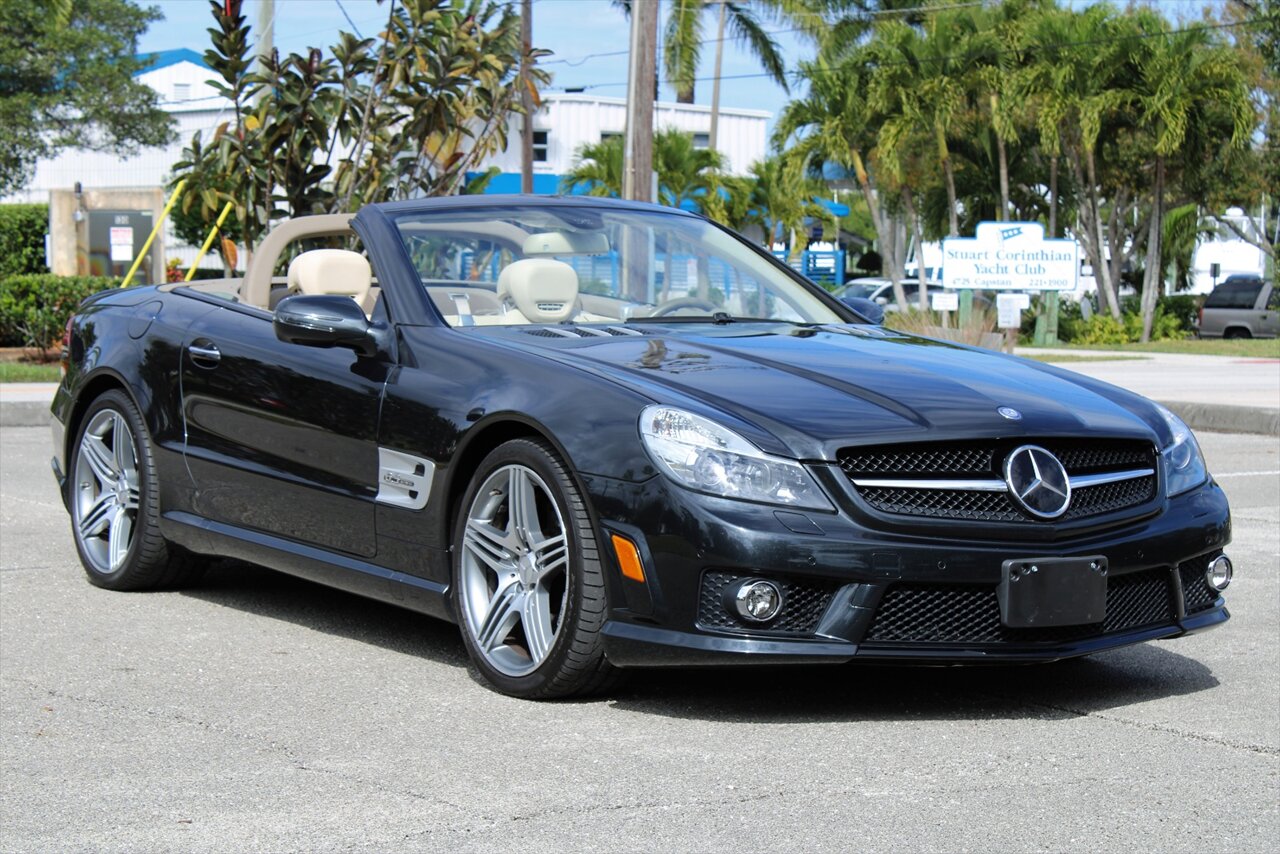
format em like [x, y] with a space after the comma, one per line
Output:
[1037, 481]
[1010, 413]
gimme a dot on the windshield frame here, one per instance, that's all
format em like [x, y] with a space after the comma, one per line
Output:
[398, 214]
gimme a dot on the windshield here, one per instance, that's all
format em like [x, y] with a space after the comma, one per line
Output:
[559, 264]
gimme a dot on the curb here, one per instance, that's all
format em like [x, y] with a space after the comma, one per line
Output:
[25, 413]
[1224, 418]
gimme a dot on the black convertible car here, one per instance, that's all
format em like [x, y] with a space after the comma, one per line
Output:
[598, 435]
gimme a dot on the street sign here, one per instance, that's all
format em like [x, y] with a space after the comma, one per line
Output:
[1009, 309]
[944, 301]
[1010, 256]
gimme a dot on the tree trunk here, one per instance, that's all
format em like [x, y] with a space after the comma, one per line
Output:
[1153, 276]
[1106, 286]
[1053, 198]
[952, 215]
[892, 240]
[685, 96]
[923, 295]
[1004, 163]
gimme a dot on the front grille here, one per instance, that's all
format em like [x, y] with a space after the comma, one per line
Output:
[943, 503]
[1196, 592]
[913, 613]
[803, 605]
[984, 461]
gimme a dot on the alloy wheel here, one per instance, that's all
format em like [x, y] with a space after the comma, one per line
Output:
[106, 491]
[514, 587]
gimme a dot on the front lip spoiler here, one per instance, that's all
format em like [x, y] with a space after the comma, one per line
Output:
[634, 645]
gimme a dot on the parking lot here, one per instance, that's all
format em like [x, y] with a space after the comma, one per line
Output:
[262, 712]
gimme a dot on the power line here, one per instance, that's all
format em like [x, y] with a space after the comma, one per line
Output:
[343, 9]
[797, 75]
[577, 61]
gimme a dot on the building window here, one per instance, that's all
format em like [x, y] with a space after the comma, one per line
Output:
[606, 135]
[182, 91]
[702, 140]
[540, 146]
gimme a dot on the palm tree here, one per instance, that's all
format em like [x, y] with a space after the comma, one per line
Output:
[685, 173]
[1185, 80]
[684, 35]
[922, 82]
[834, 123]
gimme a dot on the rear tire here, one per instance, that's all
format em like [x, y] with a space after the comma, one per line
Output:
[1236, 332]
[528, 587]
[112, 492]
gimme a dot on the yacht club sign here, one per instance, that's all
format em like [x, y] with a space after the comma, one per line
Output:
[1010, 256]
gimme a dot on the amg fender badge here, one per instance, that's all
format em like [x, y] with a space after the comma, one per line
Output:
[404, 480]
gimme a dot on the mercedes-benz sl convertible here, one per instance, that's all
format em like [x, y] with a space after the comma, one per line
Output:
[600, 435]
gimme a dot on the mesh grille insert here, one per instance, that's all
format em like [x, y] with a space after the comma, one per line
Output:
[956, 613]
[1197, 595]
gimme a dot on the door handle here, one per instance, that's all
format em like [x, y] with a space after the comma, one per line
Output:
[204, 354]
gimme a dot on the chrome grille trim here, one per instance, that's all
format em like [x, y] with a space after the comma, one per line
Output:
[1078, 481]
[962, 485]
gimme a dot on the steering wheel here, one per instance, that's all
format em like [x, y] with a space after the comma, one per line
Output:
[675, 305]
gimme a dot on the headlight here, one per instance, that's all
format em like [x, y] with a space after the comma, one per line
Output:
[699, 454]
[1183, 465]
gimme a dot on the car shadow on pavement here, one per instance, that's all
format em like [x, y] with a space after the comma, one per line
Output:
[852, 692]
[849, 692]
[267, 593]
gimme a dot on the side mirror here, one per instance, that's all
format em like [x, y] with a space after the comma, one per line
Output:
[869, 309]
[327, 321]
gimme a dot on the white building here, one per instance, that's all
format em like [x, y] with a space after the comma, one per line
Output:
[563, 124]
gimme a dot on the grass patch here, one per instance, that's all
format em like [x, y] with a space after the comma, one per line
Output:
[1058, 358]
[29, 372]
[1247, 348]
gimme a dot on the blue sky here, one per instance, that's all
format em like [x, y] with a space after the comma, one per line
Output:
[575, 30]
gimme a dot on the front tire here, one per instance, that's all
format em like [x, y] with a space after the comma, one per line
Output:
[527, 584]
[113, 497]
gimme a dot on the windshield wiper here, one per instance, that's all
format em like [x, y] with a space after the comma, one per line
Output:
[719, 318]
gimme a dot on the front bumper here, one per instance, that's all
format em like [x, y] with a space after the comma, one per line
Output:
[853, 580]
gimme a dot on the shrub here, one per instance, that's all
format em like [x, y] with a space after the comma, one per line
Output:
[34, 308]
[22, 231]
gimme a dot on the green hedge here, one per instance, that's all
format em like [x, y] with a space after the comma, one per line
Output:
[22, 231]
[34, 308]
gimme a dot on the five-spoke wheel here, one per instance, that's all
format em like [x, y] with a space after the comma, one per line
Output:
[113, 496]
[527, 583]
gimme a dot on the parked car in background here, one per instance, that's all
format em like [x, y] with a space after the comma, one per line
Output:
[880, 291]
[1241, 307]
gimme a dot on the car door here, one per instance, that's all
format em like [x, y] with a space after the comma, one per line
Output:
[281, 438]
[1269, 326]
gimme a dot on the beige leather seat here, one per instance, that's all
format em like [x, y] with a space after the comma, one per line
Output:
[540, 290]
[338, 272]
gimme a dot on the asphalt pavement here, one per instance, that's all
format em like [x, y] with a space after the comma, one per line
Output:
[259, 712]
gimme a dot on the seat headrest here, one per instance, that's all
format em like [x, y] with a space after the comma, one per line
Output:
[542, 289]
[331, 271]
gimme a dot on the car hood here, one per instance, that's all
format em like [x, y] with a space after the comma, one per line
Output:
[808, 391]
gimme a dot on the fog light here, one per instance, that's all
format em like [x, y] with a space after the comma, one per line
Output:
[1218, 575]
[758, 601]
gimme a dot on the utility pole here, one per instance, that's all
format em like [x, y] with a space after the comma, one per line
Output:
[637, 180]
[526, 97]
[266, 33]
[715, 83]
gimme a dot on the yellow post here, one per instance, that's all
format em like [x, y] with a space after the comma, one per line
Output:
[213, 232]
[164, 214]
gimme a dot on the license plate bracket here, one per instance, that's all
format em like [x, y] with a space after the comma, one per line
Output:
[1053, 591]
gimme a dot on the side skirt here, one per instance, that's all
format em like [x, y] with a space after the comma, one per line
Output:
[353, 575]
